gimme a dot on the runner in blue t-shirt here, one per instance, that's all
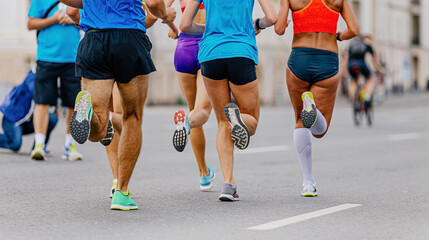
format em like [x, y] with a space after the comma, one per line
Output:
[115, 49]
[228, 55]
[58, 40]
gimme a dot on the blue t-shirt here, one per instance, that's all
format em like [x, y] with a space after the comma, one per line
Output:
[229, 31]
[113, 14]
[56, 43]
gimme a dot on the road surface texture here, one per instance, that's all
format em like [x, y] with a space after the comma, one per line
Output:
[372, 183]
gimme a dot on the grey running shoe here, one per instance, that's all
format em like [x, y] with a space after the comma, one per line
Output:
[308, 189]
[229, 193]
[81, 119]
[309, 113]
[239, 133]
[109, 134]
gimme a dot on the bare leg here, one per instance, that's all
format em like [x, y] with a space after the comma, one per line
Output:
[68, 117]
[112, 149]
[370, 85]
[219, 94]
[101, 91]
[199, 107]
[247, 97]
[41, 119]
[133, 96]
[352, 90]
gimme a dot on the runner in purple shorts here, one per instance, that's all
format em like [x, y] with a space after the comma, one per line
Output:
[192, 85]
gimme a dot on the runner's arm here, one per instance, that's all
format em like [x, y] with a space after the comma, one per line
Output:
[74, 14]
[73, 3]
[270, 17]
[283, 21]
[351, 21]
[150, 19]
[157, 8]
[187, 24]
[376, 62]
[41, 23]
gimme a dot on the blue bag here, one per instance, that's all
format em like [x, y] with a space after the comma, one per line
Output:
[18, 104]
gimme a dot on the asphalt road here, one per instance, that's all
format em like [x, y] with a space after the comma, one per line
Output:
[383, 170]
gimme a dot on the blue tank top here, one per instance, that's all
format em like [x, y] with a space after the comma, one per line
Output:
[113, 14]
[229, 31]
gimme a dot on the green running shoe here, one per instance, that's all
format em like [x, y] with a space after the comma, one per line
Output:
[122, 201]
[81, 119]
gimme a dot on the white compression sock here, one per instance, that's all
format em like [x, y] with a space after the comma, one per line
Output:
[303, 145]
[319, 127]
[69, 140]
[40, 138]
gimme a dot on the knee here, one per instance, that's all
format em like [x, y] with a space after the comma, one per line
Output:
[131, 117]
[15, 145]
[320, 136]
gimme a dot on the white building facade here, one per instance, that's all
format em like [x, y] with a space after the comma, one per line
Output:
[397, 26]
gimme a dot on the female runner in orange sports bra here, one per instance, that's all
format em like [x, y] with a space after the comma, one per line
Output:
[312, 72]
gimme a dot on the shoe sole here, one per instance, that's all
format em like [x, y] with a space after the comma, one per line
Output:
[109, 135]
[227, 198]
[207, 188]
[37, 156]
[64, 157]
[180, 137]
[79, 122]
[308, 118]
[309, 195]
[239, 133]
[122, 208]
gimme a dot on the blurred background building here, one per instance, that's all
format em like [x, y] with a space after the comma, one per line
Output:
[400, 30]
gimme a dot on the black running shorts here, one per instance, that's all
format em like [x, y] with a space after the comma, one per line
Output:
[238, 70]
[121, 54]
[46, 89]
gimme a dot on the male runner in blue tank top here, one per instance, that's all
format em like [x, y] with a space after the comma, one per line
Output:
[115, 49]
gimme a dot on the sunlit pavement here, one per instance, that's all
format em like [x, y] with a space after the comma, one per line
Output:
[372, 183]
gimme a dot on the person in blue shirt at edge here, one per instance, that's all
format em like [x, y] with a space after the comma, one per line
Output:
[115, 49]
[228, 55]
[58, 40]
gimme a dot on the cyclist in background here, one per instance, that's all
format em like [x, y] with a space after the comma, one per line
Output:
[357, 65]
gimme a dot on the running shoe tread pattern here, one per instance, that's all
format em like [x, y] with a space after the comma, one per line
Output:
[309, 113]
[239, 133]
[79, 122]
[180, 136]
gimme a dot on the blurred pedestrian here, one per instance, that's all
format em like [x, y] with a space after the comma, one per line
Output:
[16, 115]
[58, 39]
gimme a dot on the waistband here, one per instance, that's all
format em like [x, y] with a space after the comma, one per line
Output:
[92, 30]
[185, 35]
[314, 51]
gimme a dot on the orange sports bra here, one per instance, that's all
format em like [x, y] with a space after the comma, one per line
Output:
[184, 2]
[315, 17]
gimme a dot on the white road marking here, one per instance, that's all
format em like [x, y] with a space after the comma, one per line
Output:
[303, 217]
[405, 136]
[278, 148]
